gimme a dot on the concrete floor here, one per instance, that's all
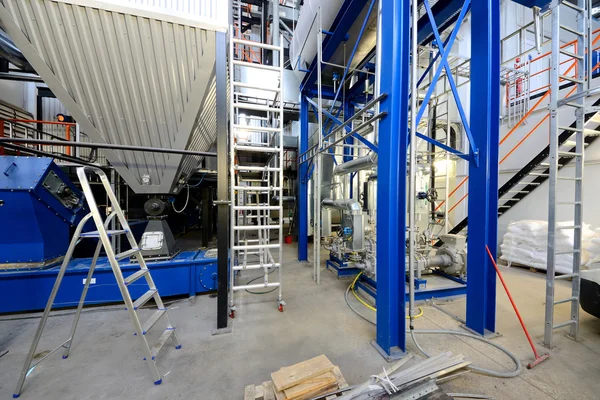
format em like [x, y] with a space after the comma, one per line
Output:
[104, 363]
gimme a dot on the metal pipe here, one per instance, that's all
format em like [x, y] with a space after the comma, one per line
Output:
[350, 205]
[412, 163]
[108, 146]
[10, 52]
[366, 162]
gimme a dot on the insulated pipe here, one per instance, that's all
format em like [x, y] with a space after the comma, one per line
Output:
[358, 164]
[10, 52]
[412, 163]
[350, 205]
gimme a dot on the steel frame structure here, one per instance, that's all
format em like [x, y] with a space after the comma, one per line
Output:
[393, 61]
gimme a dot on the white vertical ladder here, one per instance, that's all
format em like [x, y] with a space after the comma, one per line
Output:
[577, 104]
[256, 148]
[104, 235]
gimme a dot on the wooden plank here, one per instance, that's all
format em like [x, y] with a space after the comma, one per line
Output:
[279, 395]
[249, 392]
[268, 390]
[287, 377]
[339, 377]
[311, 387]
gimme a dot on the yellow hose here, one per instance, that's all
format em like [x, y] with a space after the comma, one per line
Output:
[370, 307]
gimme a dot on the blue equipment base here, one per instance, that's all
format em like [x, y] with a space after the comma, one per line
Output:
[370, 287]
[188, 273]
[341, 267]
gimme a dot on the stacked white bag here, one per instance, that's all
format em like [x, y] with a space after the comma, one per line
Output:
[526, 243]
[594, 251]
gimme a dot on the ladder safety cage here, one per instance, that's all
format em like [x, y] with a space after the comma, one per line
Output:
[104, 236]
[256, 170]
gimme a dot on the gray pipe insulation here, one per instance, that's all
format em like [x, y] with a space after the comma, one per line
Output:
[10, 52]
[358, 164]
[349, 205]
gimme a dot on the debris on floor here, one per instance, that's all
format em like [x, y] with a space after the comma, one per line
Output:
[302, 381]
[419, 381]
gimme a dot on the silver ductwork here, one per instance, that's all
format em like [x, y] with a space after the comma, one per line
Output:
[10, 52]
[350, 206]
[358, 164]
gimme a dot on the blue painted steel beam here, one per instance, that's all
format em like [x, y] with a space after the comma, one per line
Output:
[303, 185]
[445, 12]
[391, 199]
[483, 178]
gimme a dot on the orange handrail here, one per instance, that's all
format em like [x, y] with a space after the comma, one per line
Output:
[67, 126]
[512, 131]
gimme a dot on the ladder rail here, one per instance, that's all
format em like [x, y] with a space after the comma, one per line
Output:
[582, 83]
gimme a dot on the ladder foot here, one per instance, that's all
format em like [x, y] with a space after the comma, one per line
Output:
[232, 314]
[281, 308]
[65, 357]
[178, 347]
[158, 382]
[16, 396]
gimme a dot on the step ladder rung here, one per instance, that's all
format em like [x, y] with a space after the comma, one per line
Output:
[567, 323]
[255, 227]
[591, 132]
[256, 107]
[153, 320]
[257, 149]
[570, 54]
[570, 79]
[135, 276]
[255, 266]
[569, 203]
[256, 247]
[144, 298]
[566, 276]
[567, 300]
[567, 252]
[256, 188]
[570, 128]
[256, 129]
[568, 154]
[570, 143]
[518, 191]
[256, 87]
[256, 208]
[573, 6]
[256, 169]
[95, 234]
[568, 227]
[161, 342]
[567, 178]
[538, 174]
[527, 183]
[504, 206]
[573, 31]
[255, 65]
[257, 286]
[127, 254]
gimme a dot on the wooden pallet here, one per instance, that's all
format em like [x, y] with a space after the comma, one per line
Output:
[266, 390]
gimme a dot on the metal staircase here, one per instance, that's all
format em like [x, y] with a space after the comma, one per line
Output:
[256, 172]
[105, 242]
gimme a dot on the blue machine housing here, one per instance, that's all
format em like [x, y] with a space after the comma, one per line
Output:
[38, 204]
[188, 273]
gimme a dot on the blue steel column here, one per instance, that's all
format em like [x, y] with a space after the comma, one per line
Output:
[394, 48]
[303, 184]
[483, 179]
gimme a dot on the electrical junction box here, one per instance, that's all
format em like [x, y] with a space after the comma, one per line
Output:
[38, 206]
[458, 242]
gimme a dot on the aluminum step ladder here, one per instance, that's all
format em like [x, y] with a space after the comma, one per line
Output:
[576, 102]
[255, 172]
[104, 235]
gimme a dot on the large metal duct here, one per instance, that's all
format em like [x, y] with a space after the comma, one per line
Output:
[12, 54]
[358, 164]
[130, 74]
[350, 206]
